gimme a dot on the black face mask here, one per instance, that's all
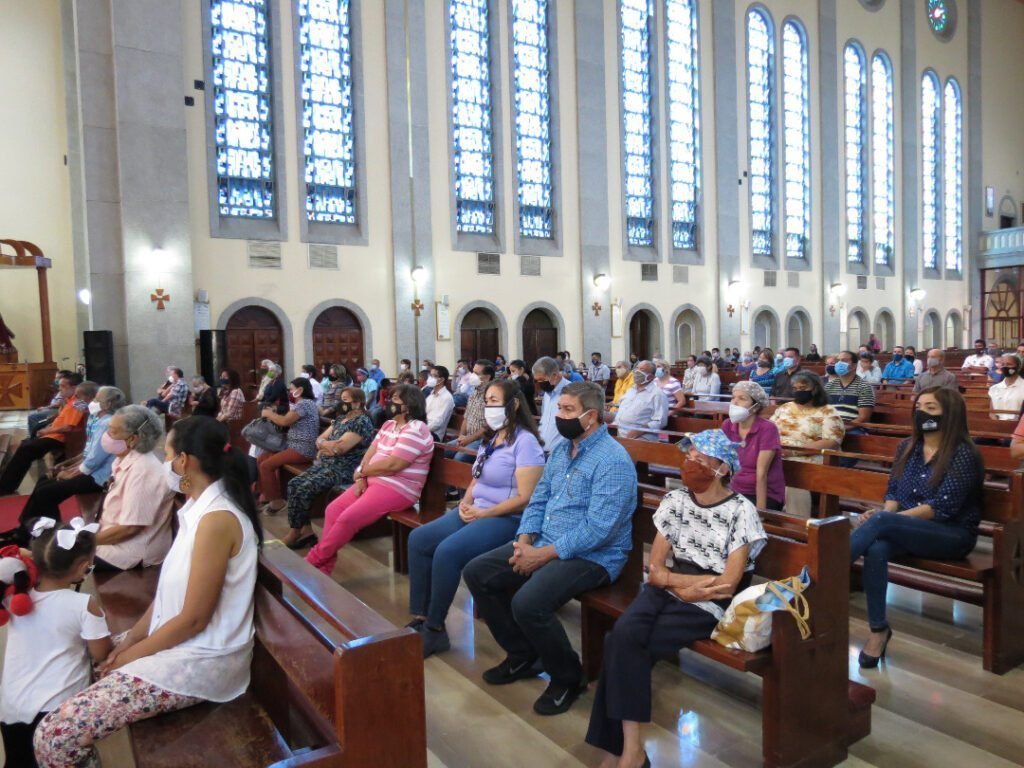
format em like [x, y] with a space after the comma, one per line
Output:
[909, 357]
[344, 408]
[927, 422]
[830, 370]
[546, 386]
[570, 429]
[394, 409]
[802, 396]
[1007, 372]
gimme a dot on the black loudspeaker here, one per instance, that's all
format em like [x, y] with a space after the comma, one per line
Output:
[213, 356]
[99, 357]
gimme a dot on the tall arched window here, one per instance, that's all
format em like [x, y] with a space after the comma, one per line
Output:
[930, 169]
[855, 117]
[328, 146]
[796, 100]
[635, 22]
[241, 108]
[531, 70]
[952, 175]
[883, 160]
[761, 108]
[472, 131]
[683, 76]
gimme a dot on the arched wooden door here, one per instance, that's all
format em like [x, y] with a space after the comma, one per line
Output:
[540, 336]
[253, 334]
[640, 335]
[478, 335]
[338, 338]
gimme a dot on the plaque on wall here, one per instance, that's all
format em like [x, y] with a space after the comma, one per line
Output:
[443, 321]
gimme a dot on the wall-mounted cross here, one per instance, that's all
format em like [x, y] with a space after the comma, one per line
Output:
[160, 298]
[597, 309]
[417, 307]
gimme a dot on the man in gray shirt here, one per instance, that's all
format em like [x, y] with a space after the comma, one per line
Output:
[935, 375]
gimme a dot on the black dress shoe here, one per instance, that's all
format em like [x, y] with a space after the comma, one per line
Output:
[305, 541]
[870, 662]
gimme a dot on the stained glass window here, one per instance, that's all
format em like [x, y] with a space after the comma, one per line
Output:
[636, 18]
[328, 138]
[952, 175]
[883, 160]
[683, 76]
[797, 140]
[241, 108]
[939, 16]
[930, 116]
[471, 117]
[855, 110]
[761, 106]
[533, 116]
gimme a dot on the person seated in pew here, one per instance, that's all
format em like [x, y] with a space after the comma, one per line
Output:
[708, 538]
[898, 370]
[1008, 394]
[759, 476]
[574, 536]
[202, 398]
[809, 421]
[932, 505]
[981, 361]
[706, 384]
[910, 354]
[689, 374]
[643, 409]
[340, 449]
[337, 379]
[232, 398]
[473, 424]
[390, 478]
[303, 424]
[762, 374]
[64, 385]
[547, 372]
[598, 371]
[135, 528]
[746, 365]
[668, 384]
[853, 397]
[935, 374]
[782, 385]
[517, 372]
[309, 372]
[87, 473]
[173, 395]
[623, 383]
[507, 467]
[867, 368]
[439, 402]
[195, 641]
[49, 439]
[812, 356]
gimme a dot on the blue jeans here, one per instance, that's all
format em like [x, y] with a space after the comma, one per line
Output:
[525, 624]
[439, 550]
[460, 399]
[37, 419]
[886, 535]
[465, 458]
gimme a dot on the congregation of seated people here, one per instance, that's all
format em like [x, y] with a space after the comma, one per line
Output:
[547, 515]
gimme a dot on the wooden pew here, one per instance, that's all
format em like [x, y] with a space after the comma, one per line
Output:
[330, 679]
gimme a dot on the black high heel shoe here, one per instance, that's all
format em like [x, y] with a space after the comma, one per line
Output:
[870, 662]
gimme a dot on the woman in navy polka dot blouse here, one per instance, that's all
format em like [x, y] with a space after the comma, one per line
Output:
[931, 507]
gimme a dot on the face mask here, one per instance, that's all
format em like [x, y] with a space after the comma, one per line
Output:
[172, 478]
[306, 375]
[659, 373]
[80, 406]
[292, 397]
[926, 422]
[403, 367]
[474, 380]
[696, 476]
[460, 371]
[373, 366]
[344, 408]
[271, 374]
[94, 407]
[779, 358]
[112, 446]
[621, 372]
[934, 362]
[431, 382]
[394, 409]
[787, 362]
[830, 370]
[640, 378]
[546, 386]
[224, 382]
[897, 358]
[702, 370]
[595, 361]
[570, 429]
[513, 376]
[747, 359]
[494, 415]
[910, 358]
[802, 396]
[738, 413]
[1007, 372]
[842, 368]
[864, 355]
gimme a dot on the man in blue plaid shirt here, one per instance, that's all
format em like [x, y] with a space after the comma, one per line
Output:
[574, 536]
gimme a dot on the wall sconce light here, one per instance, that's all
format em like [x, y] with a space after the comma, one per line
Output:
[836, 291]
[917, 295]
[85, 296]
[419, 276]
[733, 294]
[602, 281]
[159, 255]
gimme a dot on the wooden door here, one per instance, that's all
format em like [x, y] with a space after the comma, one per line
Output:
[540, 336]
[640, 335]
[338, 338]
[253, 334]
[478, 336]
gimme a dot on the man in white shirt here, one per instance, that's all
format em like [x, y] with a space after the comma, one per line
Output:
[980, 361]
[911, 354]
[643, 410]
[1008, 394]
[547, 374]
[598, 373]
[440, 402]
[309, 372]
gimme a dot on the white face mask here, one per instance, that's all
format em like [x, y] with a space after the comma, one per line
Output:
[431, 382]
[404, 367]
[474, 380]
[172, 478]
[513, 376]
[495, 416]
[94, 408]
[738, 413]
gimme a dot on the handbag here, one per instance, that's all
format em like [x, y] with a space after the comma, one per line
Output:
[266, 435]
[747, 622]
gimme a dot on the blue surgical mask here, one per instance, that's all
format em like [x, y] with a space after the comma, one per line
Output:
[842, 368]
[659, 372]
[787, 362]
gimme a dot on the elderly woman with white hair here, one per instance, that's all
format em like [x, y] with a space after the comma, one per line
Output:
[272, 392]
[87, 473]
[135, 530]
[760, 477]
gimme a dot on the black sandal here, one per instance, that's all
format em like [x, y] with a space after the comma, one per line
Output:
[305, 541]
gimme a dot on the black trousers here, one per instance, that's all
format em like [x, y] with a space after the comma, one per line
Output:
[21, 461]
[773, 504]
[49, 493]
[655, 626]
[17, 738]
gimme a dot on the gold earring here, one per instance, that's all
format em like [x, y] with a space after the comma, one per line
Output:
[185, 483]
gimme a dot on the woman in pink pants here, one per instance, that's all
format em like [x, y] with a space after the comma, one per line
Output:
[391, 477]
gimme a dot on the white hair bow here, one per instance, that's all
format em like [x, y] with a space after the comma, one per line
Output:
[42, 524]
[66, 538]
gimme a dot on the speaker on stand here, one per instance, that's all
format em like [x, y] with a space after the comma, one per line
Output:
[212, 355]
[99, 357]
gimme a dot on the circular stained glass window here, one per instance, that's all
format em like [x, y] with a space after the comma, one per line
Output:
[941, 17]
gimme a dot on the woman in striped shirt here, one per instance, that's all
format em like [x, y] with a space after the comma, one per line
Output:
[390, 478]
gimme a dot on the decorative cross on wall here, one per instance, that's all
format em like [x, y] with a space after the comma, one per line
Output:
[417, 307]
[597, 309]
[160, 298]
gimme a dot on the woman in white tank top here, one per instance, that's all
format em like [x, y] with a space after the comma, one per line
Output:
[195, 641]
